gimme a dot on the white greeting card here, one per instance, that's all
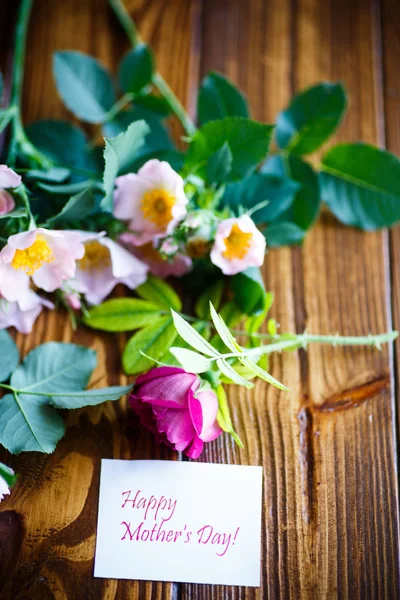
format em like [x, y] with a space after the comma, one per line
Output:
[179, 521]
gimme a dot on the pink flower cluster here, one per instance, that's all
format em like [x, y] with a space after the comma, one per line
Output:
[169, 405]
[153, 205]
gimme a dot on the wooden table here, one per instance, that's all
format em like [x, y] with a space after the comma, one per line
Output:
[330, 519]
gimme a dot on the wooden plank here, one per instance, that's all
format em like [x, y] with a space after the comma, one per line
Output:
[390, 44]
[330, 513]
[47, 526]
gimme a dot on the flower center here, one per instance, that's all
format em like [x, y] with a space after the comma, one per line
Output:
[32, 258]
[157, 206]
[96, 256]
[237, 243]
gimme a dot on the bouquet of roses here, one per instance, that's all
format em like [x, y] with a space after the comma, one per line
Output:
[79, 216]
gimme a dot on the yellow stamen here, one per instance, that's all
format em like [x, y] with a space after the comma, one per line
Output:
[157, 206]
[32, 258]
[96, 256]
[237, 243]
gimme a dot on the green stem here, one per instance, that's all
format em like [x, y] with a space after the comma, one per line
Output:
[304, 339]
[119, 105]
[25, 200]
[158, 81]
[20, 138]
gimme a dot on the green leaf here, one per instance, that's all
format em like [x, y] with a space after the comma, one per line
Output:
[28, 423]
[53, 175]
[361, 185]
[169, 359]
[9, 355]
[249, 291]
[311, 118]
[192, 337]
[7, 474]
[160, 293]
[154, 104]
[232, 344]
[77, 208]
[277, 190]
[122, 314]
[136, 69]
[219, 98]
[223, 331]
[231, 314]
[157, 139]
[153, 340]
[219, 165]
[212, 294]
[254, 323]
[89, 397]
[232, 375]
[191, 361]
[62, 142]
[224, 416]
[84, 85]
[118, 153]
[248, 141]
[283, 233]
[55, 367]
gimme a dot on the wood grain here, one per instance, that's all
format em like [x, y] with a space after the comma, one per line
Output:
[330, 520]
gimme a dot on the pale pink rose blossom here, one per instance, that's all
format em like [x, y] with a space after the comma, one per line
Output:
[169, 405]
[7, 203]
[153, 201]
[48, 257]
[8, 179]
[159, 265]
[238, 245]
[23, 313]
[104, 265]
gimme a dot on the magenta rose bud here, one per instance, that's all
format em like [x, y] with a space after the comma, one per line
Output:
[166, 401]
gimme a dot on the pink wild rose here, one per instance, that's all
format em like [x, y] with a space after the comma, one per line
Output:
[238, 245]
[153, 201]
[48, 257]
[8, 179]
[166, 401]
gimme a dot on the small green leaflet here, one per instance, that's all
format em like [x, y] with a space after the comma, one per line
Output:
[212, 294]
[219, 165]
[119, 152]
[311, 118]
[153, 340]
[219, 98]
[9, 355]
[249, 291]
[89, 397]
[248, 142]
[78, 207]
[158, 292]
[136, 69]
[55, 367]
[29, 424]
[224, 416]
[84, 85]
[361, 185]
[122, 314]
[191, 361]
[192, 337]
